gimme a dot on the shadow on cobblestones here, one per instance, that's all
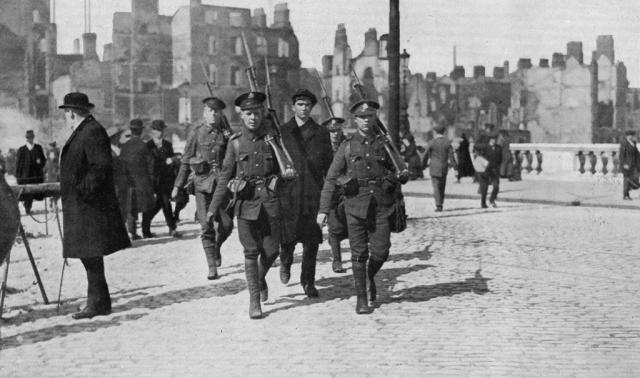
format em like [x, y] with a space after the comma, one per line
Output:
[26, 313]
[165, 239]
[477, 285]
[340, 287]
[151, 302]
[46, 334]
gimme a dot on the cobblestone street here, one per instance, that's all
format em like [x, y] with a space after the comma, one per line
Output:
[521, 290]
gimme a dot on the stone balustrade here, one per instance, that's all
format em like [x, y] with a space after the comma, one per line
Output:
[567, 160]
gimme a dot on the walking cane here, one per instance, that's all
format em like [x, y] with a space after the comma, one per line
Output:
[65, 260]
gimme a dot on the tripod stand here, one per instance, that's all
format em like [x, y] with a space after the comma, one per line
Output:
[50, 189]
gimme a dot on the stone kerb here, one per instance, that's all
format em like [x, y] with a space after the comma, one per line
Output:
[569, 161]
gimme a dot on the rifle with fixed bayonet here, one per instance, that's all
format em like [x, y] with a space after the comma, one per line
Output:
[283, 157]
[392, 150]
[334, 121]
[225, 122]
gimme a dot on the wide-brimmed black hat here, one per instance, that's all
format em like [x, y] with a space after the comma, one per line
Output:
[304, 94]
[135, 123]
[630, 132]
[158, 124]
[76, 100]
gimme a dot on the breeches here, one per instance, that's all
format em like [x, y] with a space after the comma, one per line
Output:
[259, 236]
[369, 236]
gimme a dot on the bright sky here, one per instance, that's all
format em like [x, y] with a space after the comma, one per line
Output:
[486, 32]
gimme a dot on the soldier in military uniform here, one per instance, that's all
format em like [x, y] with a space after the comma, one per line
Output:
[310, 148]
[203, 153]
[366, 172]
[336, 221]
[251, 171]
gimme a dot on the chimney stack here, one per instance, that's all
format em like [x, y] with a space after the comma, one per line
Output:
[259, 18]
[370, 43]
[76, 46]
[524, 63]
[281, 16]
[89, 46]
[557, 60]
[574, 49]
[478, 72]
[544, 63]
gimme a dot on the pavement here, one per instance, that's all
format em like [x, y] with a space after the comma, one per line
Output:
[525, 289]
[575, 190]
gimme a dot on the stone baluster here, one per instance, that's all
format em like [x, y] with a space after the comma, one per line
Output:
[605, 160]
[529, 157]
[517, 166]
[538, 161]
[582, 160]
[616, 163]
[593, 159]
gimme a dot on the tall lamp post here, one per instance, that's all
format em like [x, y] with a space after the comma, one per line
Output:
[393, 53]
[404, 68]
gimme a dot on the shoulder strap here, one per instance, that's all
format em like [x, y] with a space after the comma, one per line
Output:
[347, 155]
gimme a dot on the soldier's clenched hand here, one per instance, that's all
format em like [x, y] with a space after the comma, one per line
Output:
[321, 219]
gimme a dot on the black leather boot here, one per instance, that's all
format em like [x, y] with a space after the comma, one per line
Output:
[286, 260]
[98, 298]
[337, 255]
[264, 265]
[374, 268]
[253, 286]
[308, 270]
[210, 253]
[360, 281]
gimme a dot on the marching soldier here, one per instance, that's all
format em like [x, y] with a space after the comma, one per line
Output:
[310, 149]
[336, 221]
[254, 162]
[366, 171]
[203, 154]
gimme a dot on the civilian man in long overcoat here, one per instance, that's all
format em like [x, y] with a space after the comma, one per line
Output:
[440, 153]
[92, 222]
[629, 156]
[310, 148]
[139, 161]
[29, 168]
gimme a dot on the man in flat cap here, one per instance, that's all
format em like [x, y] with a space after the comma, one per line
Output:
[366, 171]
[629, 156]
[310, 148]
[139, 162]
[251, 171]
[336, 220]
[203, 154]
[92, 222]
[164, 177]
[30, 167]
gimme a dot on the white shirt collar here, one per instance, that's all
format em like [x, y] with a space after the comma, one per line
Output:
[300, 122]
[30, 146]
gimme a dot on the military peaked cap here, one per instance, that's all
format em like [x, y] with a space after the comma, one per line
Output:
[250, 100]
[364, 107]
[214, 103]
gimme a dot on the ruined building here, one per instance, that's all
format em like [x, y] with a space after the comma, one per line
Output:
[207, 46]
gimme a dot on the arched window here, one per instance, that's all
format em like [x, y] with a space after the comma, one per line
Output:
[237, 45]
[236, 76]
[261, 43]
[213, 70]
[283, 48]
[212, 44]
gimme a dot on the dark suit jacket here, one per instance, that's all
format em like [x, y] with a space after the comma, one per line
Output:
[629, 156]
[139, 162]
[92, 220]
[164, 174]
[440, 153]
[30, 164]
[494, 156]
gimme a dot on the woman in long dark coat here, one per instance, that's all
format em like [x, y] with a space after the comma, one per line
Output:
[92, 222]
[465, 166]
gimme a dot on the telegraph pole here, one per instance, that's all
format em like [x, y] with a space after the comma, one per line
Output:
[393, 52]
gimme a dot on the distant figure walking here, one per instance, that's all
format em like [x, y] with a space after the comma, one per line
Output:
[491, 175]
[439, 153]
[29, 167]
[464, 164]
[139, 162]
[629, 156]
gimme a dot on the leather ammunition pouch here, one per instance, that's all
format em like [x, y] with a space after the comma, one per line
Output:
[389, 185]
[348, 184]
[240, 188]
[201, 168]
[398, 219]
